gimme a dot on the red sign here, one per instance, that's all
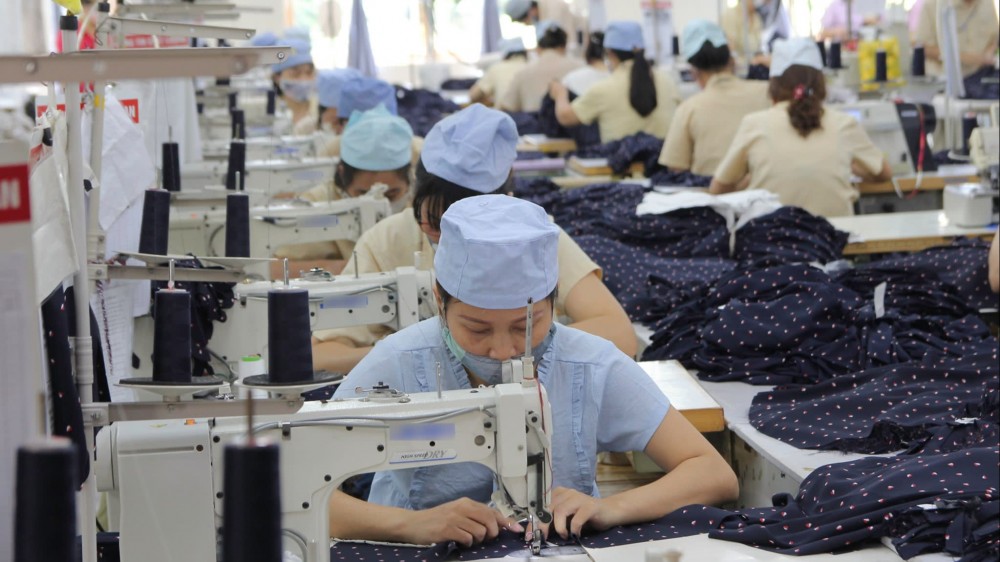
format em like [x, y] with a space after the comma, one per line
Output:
[15, 205]
[131, 107]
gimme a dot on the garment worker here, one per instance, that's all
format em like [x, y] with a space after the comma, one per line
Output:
[531, 83]
[499, 76]
[496, 255]
[798, 149]
[704, 124]
[466, 154]
[978, 34]
[651, 95]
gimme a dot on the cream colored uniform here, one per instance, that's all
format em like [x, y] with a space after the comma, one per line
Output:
[332, 250]
[531, 83]
[704, 124]
[393, 242]
[500, 76]
[733, 23]
[813, 172]
[607, 103]
[977, 30]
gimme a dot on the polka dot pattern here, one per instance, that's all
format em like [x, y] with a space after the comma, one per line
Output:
[640, 147]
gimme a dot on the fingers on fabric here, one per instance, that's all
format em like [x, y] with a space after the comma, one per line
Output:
[571, 510]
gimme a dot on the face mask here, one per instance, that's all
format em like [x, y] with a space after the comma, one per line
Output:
[485, 368]
[298, 90]
[327, 128]
[434, 245]
[399, 205]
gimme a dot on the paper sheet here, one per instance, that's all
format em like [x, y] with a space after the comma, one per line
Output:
[113, 308]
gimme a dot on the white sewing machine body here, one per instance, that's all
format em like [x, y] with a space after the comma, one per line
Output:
[270, 176]
[164, 478]
[395, 299]
[278, 148]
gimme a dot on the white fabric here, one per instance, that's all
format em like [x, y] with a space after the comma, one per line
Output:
[738, 208]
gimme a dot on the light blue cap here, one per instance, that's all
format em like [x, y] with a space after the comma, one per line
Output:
[798, 50]
[497, 252]
[696, 33]
[377, 141]
[362, 94]
[302, 55]
[623, 35]
[474, 148]
[542, 27]
[299, 32]
[266, 39]
[517, 9]
[508, 46]
[330, 82]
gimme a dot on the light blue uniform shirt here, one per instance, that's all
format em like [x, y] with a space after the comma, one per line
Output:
[601, 401]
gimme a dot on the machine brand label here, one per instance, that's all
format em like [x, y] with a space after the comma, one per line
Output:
[430, 455]
[345, 301]
[15, 204]
[319, 221]
[307, 175]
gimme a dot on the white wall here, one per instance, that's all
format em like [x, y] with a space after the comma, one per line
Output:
[683, 10]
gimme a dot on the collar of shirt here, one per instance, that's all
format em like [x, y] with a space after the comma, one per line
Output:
[720, 79]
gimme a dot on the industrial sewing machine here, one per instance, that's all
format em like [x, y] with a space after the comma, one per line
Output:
[899, 130]
[165, 478]
[395, 299]
[286, 147]
[268, 176]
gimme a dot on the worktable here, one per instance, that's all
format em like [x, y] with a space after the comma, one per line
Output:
[687, 395]
[902, 232]
[931, 181]
[541, 143]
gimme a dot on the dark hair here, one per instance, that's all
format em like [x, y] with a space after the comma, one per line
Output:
[554, 38]
[595, 47]
[319, 118]
[805, 88]
[439, 194]
[526, 12]
[446, 296]
[642, 89]
[512, 54]
[710, 58]
[343, 174]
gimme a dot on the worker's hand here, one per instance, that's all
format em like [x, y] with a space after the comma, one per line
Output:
[464, 521]
[572, 510]
[557, 90]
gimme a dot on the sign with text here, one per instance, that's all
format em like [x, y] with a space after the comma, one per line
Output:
[131, 107]
[15, 205]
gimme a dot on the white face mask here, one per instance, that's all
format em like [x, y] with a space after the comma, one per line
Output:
[399, 205]
[298, 90]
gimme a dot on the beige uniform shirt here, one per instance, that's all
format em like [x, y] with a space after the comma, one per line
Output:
[733, 23]
[813, 172]
[332, 250]
[977, 30]
[393, 242]
[500, 76]
[607, 103]
[531, 83]
[704, 124]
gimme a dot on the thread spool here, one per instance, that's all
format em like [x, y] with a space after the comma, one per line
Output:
[237, 166]
[238, 225]
[970, 121]
[171, 166]
[45, 512]
[153, 234]
[822, 51]
[238, 124]
[224, 81]
[250, 366]
[172, 337]
[272, 99]
[251, 509]
[918, 65]
[233, 101]
[675, 46]
[881, 66]
[833, 56]
[289, 339]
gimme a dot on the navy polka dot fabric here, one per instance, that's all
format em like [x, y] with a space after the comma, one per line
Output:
[584, 135]
[422, 109]
[789, 235]
[640, 147]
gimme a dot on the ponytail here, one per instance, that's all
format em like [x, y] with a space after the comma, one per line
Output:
[805, 90]
[642, 89]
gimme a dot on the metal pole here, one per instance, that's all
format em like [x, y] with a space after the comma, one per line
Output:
[95, 235]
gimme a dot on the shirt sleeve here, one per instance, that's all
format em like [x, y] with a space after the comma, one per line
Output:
[736, 164]
[927, 28]
[588, 106]
[631, 408]
[861, 148]
[511, 98]
[574, 265]
[488, 84]
[678, 149]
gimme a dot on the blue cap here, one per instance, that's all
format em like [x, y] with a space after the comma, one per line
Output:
[377, 141]
[624, 35]
[542, 27]
[696, 33]
[508, 46]
[299, 32]
[330, 82]
[266, 39]
[362, 94]
[302, 55]
[497, 252]
[795, 51]
[474, 148]
[517, 9]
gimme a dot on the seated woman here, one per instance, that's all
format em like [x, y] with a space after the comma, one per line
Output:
[493, 85]
[651, 95]
[704, 125]
[376, 150]
[329, 84]
[497, 254]
[529, 85]
[798, 149]
[466, 154]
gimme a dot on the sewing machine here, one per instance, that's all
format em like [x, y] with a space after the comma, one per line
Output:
[285, 147]
[897, 129]
[164, 478]
[395, 299]
[269, 176]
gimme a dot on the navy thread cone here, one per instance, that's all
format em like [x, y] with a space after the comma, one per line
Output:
[289, 340]
[155, 227]
[172, 337]
[45, 512]
[251, 512]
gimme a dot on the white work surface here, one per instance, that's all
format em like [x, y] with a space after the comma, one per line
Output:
[901, 232]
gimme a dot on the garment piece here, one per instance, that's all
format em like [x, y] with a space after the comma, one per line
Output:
[706, 123]
[601, 400]
[665, 177]
[977, 24]
[422, 109]
[527, 88]
[393, 242]
[606, 103]
[621, 153]
[813, 172]
[789, 235]
[983, 84]
[499, 77]
[583, 135]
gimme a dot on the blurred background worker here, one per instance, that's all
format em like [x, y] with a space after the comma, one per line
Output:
[500, 75]
[652, 96]
[752, 26]
[863, 14]
[531, 83]
[596, 70]
[978, 34]
[704, 125]
[797, 149]
[295, 81]
[330, 83]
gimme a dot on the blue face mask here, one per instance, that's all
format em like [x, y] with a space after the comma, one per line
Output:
[487, 369]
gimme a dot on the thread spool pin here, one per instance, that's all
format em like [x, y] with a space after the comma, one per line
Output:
[437, 374]
[170, 279]
[239, 184]
[284, 264]
[356, 272]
